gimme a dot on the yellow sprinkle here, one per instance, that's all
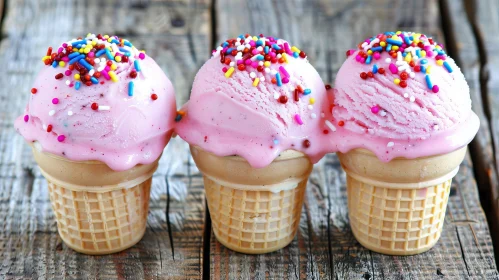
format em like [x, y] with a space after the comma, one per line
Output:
[415, 41]
[62, 63]
[109, 40]
[88, 34]
[423, 53]
[285, 56]
[369, 52]
[311, 100]
[408, 57]
[440, 62]
[87, 50]
[255, 81]
[438, 47]
[117, 58]
[113, 76]
[94, 43]
[398, 32]
[113, 66]
[266, 63]
[81, 50]
[396, 81]
[395, 48]
[383, 44]
[45, 58]
[77, 76]
[295, 49]
[428, 69]
[229, 72]
[106, 36]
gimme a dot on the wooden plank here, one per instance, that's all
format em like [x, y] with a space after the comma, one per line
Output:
[325, 246]
[176, 34]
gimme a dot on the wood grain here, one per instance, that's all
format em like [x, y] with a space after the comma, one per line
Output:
[176, 34]
[325, 246]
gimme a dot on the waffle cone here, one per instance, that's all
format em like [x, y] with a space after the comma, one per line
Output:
[99, 211]
[254, 211]
[398, 208]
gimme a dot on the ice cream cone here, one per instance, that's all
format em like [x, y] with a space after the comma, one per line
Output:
[98, 210]
[398, 207]
[254, 211]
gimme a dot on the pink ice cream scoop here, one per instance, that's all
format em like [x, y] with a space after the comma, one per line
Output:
[400, 95]
[99, 98]
[256, 97]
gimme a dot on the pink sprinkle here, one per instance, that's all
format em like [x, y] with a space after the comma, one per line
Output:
[67, 72]
[442, 57]
[287, 49]
[358, 58]
[298, 119]
[375, 109]
[61, 138]
[272, 54]
[254, 52]
[254, 64]
[285, 80]
[64, 45]
[427, 48]
[240, 61]
[393, 68]
[106, 75]
[71, 85]
[224, 69]
[404, 45]
[402, 49]
[26, 118]
[55, 101]
[377, 55]
[252, 43]
[283, 71]
[224, 50]
[435, 89]
[362, 60]
[429, 54]
[65, 59]
[59, 50]
[107, 68]
[142, 55]
[91, 54]
[248, 62]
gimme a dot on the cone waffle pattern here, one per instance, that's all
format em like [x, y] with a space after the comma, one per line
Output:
[397, 221]
[101, 222]
[254, 222]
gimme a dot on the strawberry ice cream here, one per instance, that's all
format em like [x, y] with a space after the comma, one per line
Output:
[99, 98]
[256, 97]
[400, 95]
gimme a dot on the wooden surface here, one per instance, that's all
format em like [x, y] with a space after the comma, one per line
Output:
[178, 242]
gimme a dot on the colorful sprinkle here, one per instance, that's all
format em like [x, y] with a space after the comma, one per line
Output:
[61, 138]
[256, 81]
[136, 65]
[55, 101]
[447, 66]
[307, 91]
[229, 72]
[298, 119]
[278, 79]
[34, 90]
[26, 118]
[131, 87]
[154, 96]
[113, 76]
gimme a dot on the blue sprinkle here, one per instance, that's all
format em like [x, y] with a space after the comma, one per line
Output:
[278, 78]
[73, 55]
[127, 53]
[307, 91]
[77, 85]
[85, 64]
[123, 49]
[407, 40]
[126, 43]
[377, 49]
[296, 55]
[75, 59]
[229, 50]
[276, 47]
[178, 118]
[260, 57]
[418, 53]
[136, 65]
[375, 69]
[94, 80]
[259, 42]
[424, 61]
[115, 41]
[394, 42]
[99, 53]
[54, 64]
[428, 82]
[130, 88]
[79, 43]
[369, 58]
[266, 49]
[389, 47]
[241, 36]
[448, 67]
[276, 142]
[225, 44]
[423, 69]
[109, 55]
[404, 54]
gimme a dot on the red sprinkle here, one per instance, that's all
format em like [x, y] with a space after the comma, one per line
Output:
[283, 99]
[381, 71]
[154, 96]
[403, 84]
[370, 74]
[59, 76]
[341, 123]
[34, 90]
[326, 131]
[133, 74]
[328, 87]
[95, 106]
[404, 75]
[49, 128]
[306, 143]
[241, 67]
[363, 75]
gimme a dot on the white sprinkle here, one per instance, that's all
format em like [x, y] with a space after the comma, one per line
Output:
[276, 95]
[70, 113]
[247, 46]
[313, 115]
[406, 95]
[247, 40]
[240, 47]
[400, 63]
[403, 67]
[390, 144]
[68, 82]
[310, 107]
[260, 63]
[102, 60]
[388, 60]
[279, 56]
[97, 60]
[273, 72]
[262, 79]
[237, 44]
[267, 70]
[412, 99]
[435, 127]
[232, 64]
[52, 112]
[91, 72]
[382, 113]
[252, 75]
[260, 48]
[104, 108]
[330, 125]
[415, 57]
[412, 75]
[44, 127]
[399, 56]
[322, 115]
